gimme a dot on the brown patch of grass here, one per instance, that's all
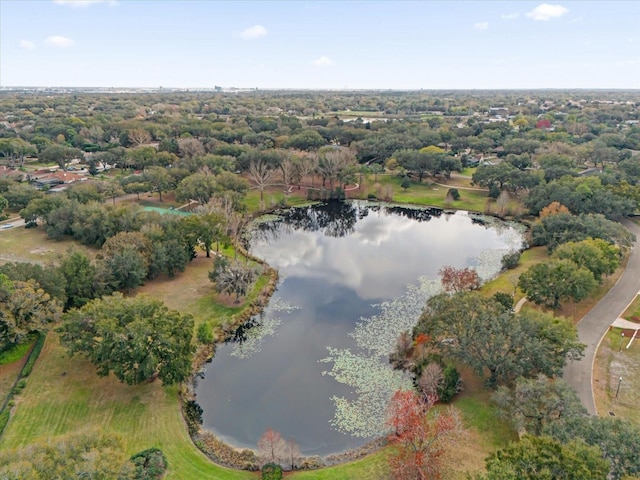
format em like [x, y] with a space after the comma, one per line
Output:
[8, 375]
[614, 360]
[21, 244]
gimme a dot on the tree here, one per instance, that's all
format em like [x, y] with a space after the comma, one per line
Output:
[293, 453]
[91, 455]
[136, 338]
[262, 174]
[20, 194]
[159, 179]
[456, 280]
[235, 278]
[406, 183]
[190, 147]
[60, 155]
[552, 209]
[551, 282]
[137, 188]
[618, 439]
[481, 333]
[4, 203]
[554, 230]
[24, 307]
[200, 187]
[48, 277]
[141, 157]
[537, 402]
[112, 190]
[421, 436]
[596, 255]
[332, 162]
[79, 274]
[535, 458]
[272, 448]
[139, 137]
[14, 150]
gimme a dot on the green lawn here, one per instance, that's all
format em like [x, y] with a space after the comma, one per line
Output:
[65, 395]
[426, 193]
[508, 280]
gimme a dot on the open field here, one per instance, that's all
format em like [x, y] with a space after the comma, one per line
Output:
[19, 244]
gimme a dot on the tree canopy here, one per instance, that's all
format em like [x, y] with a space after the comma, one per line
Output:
[135, 338]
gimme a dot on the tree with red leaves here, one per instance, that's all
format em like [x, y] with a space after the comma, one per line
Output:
[421, 436]
[456, 280]
[272, 448]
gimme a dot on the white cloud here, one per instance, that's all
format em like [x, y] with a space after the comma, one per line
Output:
[252, 33]
[509, 16]
[27, 45]
[546, 12]
[481, 25]
[323, 61]
[58, 41]
[83, 3]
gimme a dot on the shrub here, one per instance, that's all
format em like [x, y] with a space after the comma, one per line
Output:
[406, 183]
[454, 193]
[372, 197]
[272, 471]
[4, 419]
[205, 333]
[150, 464]
[451, 384]
[511, 260]
[35, 353]
[504, 299]
[193, 416]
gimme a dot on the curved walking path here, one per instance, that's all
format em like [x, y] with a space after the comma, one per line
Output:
[593, 326]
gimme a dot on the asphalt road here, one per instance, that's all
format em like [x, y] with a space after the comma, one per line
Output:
[593, 326]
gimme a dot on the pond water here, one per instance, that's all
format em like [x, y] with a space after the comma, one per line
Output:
[313, 367]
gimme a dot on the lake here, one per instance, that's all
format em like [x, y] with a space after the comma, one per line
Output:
[313, 367]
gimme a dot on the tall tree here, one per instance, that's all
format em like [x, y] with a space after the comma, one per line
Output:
[159, 179]
[551, 282]
[24, 307]
[136, 338]
[421, 437]
[272, 448]
[262, 174]
[536, 402]
[481, 333]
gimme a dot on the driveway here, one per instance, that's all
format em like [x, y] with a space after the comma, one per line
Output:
[595, 324]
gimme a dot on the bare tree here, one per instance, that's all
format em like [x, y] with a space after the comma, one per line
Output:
[138, 137]
[190, 147]
[272, 448]
[431, 380]
[289, 170]
[307, 167]
[262, 175]
[293, 453]
[332, 163]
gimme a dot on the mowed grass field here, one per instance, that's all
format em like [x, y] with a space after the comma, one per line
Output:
[65, 395]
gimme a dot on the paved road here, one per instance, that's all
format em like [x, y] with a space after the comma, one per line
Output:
[594, 324]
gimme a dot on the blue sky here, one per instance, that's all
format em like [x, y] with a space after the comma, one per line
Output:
[332, 45]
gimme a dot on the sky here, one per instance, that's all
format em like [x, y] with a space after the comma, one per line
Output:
[320, 44]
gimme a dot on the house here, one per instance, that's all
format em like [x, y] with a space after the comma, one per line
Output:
[47, 179]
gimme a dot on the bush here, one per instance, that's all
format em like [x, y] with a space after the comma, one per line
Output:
[454, 193]
[4, 419]
[504, 299]
[150, 464]
[272, 471]
[372, 197]
[35, 353]
[205, 333]
[193, 416]
[451, 384]
[406, 183]
[511, 260]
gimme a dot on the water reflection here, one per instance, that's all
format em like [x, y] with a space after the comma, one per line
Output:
[335, 262]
